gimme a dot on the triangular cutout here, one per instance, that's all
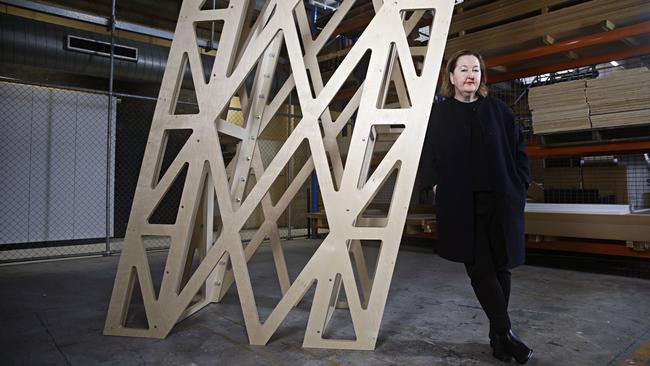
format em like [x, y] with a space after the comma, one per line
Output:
[200, 241]
[157, 268]
[215, 4]
[340, 325]
[264, 281]
[208, 34]
[269, 149]
[258, 24]
[257, 85]
[363, 256]
[174, 141]
[167, 209]
[186, 100]
[417, 28]
[217, 221]
[342, 114]
[397, 95]
[350, 27]
[136, 314]
[352, 83]
[192, 262]
[281, 73]
[375, 213]
[381, 139]
[344, 102]
[297, 322]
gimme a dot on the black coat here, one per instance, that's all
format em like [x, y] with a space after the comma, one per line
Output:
[446, 162]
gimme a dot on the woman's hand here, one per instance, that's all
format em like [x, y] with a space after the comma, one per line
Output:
[434, 188]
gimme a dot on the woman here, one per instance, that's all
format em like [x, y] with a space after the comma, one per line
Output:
[474, 159]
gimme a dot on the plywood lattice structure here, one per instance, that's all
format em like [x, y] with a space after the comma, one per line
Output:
[345, 184]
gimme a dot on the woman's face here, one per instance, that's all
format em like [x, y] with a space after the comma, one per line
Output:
[466, 77]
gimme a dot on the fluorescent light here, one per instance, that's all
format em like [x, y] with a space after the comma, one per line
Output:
[614, 63]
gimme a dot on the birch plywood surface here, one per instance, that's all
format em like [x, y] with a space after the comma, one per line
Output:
[559, 107]
[207, 256]
[621, 98]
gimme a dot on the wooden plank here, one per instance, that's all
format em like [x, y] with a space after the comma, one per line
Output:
[632, 227]
[497, 12]
[509, 36]
[589, 247]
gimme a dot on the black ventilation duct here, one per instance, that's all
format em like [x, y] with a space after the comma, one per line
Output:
[43, 45]
[55, 48]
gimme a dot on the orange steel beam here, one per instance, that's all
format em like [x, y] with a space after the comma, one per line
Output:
[593, 248]
[572, 44]
[570, 64]
[539, 152]
[362, 17]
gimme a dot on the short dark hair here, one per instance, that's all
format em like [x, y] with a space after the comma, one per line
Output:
[448, 89]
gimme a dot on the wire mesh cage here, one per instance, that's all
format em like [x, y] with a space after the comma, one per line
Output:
[596, 176]
[57, 175]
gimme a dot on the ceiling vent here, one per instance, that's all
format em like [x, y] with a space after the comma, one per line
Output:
[94, 47]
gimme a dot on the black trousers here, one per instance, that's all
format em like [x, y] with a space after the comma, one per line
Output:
[489, 272]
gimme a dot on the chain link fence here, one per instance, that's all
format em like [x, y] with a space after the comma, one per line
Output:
[56, 166]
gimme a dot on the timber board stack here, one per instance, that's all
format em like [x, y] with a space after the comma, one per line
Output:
[503, 26]
[620, 99]
[559, 107]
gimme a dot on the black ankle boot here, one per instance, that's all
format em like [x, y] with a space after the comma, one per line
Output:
[517, 348]
[499, 350]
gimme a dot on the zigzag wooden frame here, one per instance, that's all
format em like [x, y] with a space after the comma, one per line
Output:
[345, 196]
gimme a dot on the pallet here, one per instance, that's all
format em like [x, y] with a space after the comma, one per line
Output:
[597, 136]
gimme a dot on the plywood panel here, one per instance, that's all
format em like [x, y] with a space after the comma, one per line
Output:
[346, 190]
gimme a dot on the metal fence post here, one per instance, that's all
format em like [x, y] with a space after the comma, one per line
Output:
[108, 133]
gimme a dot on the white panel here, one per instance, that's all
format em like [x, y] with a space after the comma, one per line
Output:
[90, 169]
[15, 129]
[53, 171]
[53, 160]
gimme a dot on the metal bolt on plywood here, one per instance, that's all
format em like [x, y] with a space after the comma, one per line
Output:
[347, 189]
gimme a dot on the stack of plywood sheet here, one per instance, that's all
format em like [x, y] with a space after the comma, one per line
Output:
[499, 27]
[620, 99]
[559, 107]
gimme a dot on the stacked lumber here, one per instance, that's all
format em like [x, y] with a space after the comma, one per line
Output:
[559, 107]
[620, 99]
[502, 26]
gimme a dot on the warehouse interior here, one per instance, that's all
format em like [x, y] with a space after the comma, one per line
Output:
[79, 85]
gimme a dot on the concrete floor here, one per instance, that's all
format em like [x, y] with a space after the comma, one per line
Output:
[53, 313]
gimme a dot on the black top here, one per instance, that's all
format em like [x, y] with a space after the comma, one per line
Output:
[447, 161]
[466, 113]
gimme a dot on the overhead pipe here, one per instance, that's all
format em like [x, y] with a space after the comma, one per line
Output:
[42, 45]
[28, 42]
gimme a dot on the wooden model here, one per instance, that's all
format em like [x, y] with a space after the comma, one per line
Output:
[346, 190]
